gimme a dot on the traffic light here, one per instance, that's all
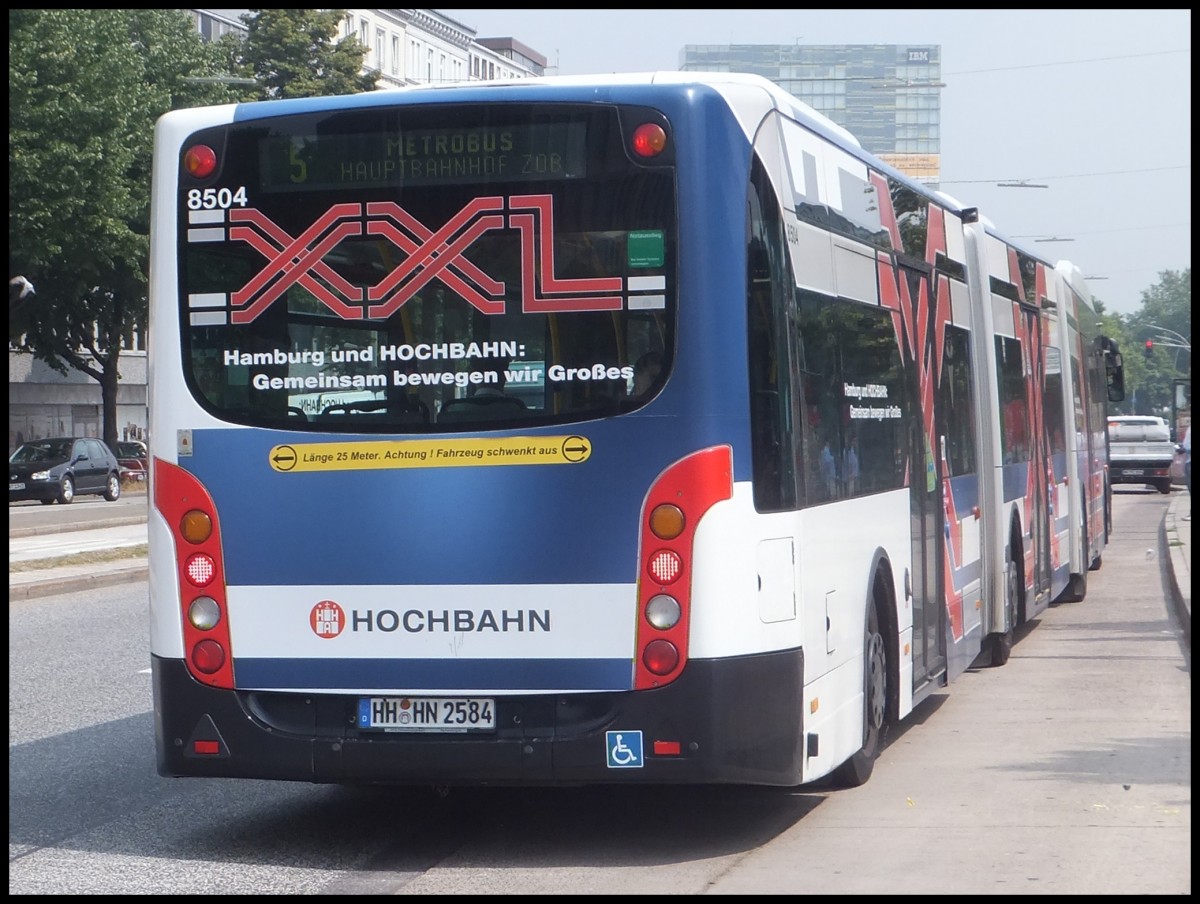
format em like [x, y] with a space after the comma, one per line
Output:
[1149, 349]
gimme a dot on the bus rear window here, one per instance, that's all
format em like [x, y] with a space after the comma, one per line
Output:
[407, 269]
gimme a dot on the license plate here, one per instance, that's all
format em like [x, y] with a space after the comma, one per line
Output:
[427, 713]
[1133, 472]
[16, 486]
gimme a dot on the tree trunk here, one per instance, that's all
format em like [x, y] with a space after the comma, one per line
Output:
[108, 397]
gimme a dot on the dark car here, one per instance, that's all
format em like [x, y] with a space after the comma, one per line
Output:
[62, 468]
[133, 458]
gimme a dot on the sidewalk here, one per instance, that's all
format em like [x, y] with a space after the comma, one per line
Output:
[1175, 539]
[67, 578]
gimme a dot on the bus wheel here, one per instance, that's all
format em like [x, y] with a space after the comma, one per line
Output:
[1002, 642]
[1077, 583]
[856, 770]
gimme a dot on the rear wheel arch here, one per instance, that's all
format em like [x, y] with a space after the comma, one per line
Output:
[880, 678]
[883, 598]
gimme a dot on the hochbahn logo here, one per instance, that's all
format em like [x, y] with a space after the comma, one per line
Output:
[300, 260]
[327, 619]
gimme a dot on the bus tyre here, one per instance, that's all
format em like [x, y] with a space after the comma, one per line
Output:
[66, 491]
[1002, 642]
[1077, 583]
[856, 770]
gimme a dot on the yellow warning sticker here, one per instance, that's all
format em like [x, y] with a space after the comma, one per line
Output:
[430, 453]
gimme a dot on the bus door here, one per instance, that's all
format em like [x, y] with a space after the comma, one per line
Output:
[929, 610]
[1040, 465]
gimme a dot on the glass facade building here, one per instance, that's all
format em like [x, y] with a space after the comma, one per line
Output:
[886, 95]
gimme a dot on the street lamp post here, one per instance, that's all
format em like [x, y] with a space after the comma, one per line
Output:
[1170, 339]
[1170, 334]
[220, 80]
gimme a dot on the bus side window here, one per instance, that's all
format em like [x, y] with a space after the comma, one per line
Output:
[769, 301]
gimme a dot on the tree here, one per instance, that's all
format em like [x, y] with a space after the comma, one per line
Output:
[1166, 309]
[295, 53]
[85, 87]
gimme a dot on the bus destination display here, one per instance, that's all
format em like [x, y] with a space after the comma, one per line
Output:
[524, 153]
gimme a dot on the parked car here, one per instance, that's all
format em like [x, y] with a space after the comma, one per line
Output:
[62, 468]
[1140, 451]
[134, 459]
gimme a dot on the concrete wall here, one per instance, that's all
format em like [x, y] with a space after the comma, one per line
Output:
[43, 402]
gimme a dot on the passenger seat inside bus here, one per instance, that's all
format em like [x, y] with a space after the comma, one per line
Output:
[481, 408]
[382, 411]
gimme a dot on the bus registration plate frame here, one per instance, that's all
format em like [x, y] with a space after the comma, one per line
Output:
[427, 714]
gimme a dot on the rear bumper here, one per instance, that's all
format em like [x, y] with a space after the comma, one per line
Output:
[42, 489]
[1139, 471]
[736, 721]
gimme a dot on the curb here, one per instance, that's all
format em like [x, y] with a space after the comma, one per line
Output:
[137, 570]
[1177, 564]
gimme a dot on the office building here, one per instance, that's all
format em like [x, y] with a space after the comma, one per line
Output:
[886, 95]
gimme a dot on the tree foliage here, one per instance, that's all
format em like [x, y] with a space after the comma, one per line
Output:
[295, 53]
[85, 89]
[1165, 317]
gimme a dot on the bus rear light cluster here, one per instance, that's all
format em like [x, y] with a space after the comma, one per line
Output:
[204, 613]
[200, 161]
[674, 506]
[188, 507]
[663, 611]
[649, 139]
[200, 569]
[660, 657]
[665, 566]
[208, 656]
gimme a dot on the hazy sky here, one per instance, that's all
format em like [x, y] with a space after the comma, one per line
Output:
[1095, 103]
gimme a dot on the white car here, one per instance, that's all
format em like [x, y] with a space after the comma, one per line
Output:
[1140, 451]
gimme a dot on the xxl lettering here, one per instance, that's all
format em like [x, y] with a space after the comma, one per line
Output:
[428, 254]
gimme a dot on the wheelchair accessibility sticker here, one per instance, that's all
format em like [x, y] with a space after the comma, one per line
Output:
[624, 749]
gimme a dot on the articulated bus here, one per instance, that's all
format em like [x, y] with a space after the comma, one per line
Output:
[628, 429]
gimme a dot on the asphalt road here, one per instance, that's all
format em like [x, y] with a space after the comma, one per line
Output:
[31, 517]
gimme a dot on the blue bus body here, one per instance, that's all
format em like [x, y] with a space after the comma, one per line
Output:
[599, 586]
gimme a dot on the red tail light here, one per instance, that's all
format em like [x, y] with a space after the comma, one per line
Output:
[649, 139]
[189, 510]
[673, 508]
[200, 161]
